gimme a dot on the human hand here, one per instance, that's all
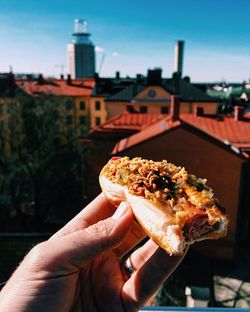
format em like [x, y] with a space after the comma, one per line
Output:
[79, 268]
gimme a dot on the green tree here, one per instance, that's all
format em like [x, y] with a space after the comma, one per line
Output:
[42, 159]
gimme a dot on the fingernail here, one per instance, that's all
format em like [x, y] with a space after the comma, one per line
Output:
[120, 211]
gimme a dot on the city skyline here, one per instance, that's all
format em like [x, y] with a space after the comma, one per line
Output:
[135, 38]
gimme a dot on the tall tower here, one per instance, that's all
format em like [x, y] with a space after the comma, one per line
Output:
[179, 51]
[81, 52]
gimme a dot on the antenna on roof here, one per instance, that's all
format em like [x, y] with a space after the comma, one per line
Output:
[61, 68]
[101, 63]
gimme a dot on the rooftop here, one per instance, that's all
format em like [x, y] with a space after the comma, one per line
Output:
[126, 123]
[227, 129]
[187, 91]
[58, 87]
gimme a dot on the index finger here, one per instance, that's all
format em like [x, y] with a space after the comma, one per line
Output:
[100, 208]
[148, 278]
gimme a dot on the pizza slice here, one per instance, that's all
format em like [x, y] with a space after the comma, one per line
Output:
[174, 208]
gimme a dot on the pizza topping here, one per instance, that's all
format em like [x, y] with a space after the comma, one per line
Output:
[159, 181]
[114, 158]
[200, 199]
[198, 183]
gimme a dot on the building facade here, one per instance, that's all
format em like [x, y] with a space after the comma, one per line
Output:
[154, 96]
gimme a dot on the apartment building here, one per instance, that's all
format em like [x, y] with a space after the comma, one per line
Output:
[153, 95]
[76, 92]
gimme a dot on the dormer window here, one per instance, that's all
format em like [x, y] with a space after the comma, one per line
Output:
[151, 93]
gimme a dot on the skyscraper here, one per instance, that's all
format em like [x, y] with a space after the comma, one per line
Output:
[81, 52]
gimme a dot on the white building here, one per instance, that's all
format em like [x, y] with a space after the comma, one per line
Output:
[81, 52]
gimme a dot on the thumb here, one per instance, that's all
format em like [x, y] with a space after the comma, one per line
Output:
[82, 246]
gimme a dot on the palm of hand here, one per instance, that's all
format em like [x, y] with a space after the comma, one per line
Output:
[78, 269]
[99, 285]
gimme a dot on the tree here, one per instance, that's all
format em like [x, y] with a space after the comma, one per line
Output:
[42, 160]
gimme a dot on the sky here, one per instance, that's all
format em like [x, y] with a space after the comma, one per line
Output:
[130, 36]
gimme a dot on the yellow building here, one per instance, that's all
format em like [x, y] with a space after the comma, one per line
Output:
[156, 98]
[81, 108]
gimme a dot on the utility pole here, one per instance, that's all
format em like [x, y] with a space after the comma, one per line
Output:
[101, 63]
[61, 68]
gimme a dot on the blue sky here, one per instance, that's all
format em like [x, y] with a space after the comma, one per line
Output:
[135, 35]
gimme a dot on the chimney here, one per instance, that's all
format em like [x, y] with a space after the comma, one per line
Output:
[198, 111]
[238, 113]
[61, 76]
[130, 109]
[139, 78]
[69, 79]
[175, 107]
[179, 51]
[154, 77]
[11, 79]
[117, 75]
[40, 79]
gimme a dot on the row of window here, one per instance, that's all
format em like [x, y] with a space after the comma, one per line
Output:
[143, 109]
[82, 106]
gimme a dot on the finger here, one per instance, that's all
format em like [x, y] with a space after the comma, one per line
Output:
[134, 237]
[76, 249]
[100, 208]
[139, 257]
[148, 278]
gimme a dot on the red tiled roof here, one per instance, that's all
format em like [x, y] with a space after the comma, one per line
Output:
[128, 121]
[132, 120]
[59, 87]
[226, 130]
[147, 133]
[247, 115]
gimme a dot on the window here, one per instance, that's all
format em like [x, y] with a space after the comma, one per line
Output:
[164, 110]
[97, 121]
[69, 105]
[9, 108]
[151, 93]
[143, 109]
[69, 119]
[82, 120]
[11, 122]
[82, 105]
[97, 105]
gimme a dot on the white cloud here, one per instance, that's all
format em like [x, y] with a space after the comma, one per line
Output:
[99, 49]
[115, 54]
